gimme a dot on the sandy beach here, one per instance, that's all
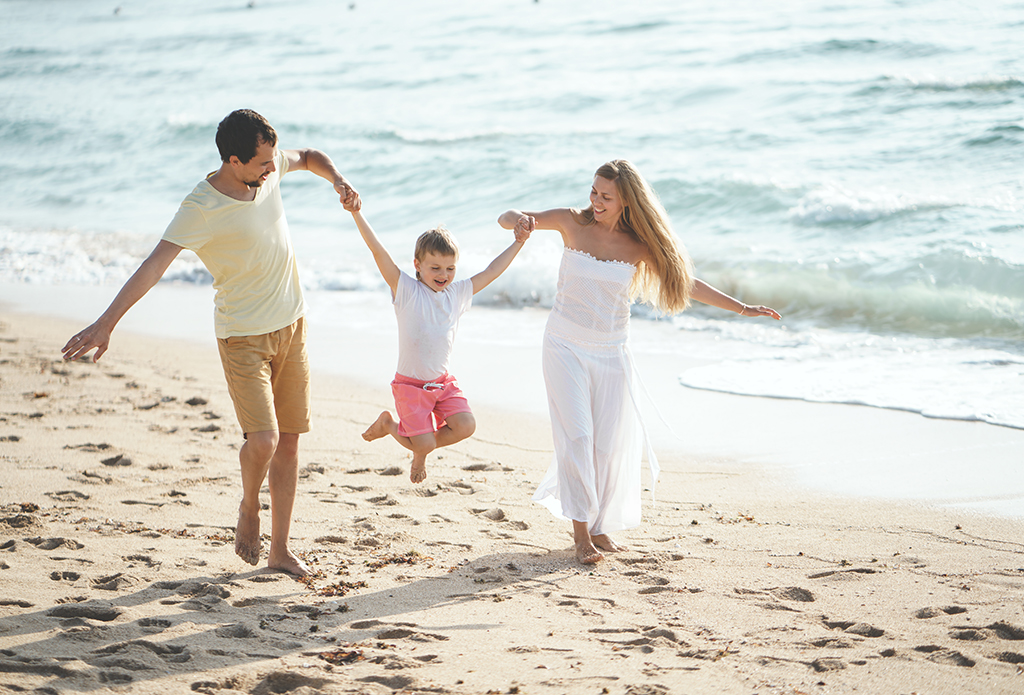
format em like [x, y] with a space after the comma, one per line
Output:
[117, 571]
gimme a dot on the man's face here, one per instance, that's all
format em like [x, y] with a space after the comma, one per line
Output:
[254, 172]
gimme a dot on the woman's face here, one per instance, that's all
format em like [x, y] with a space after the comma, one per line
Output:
[605, 199]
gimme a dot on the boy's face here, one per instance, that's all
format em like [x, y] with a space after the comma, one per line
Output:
[435, 271]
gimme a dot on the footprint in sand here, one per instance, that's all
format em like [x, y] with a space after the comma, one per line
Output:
[383, 500]
[65, 576]
[119, 460]
[862, 629]
[496, 514]
[832, 643]
[173, 653]
[827, 664]
[89, 447]
[103, 611]
[393, 682]
[486, 467]
[462, 488]
[18, 521]
[68, 496]
[391, 470]
[941, 655]
[114, 582]
[792, 593]
[264, 578]
[855, 573]
[932, 611]
[20, 603]
[406, 633]
[53, 543]
[146, 560]
[236, 631]
[154, 625]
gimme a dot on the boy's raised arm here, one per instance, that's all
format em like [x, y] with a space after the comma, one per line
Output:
[522, 228]
[385, 263]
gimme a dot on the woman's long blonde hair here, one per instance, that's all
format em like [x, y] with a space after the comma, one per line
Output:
[665, 279]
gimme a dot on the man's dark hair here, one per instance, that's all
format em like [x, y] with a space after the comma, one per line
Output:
[241, 132]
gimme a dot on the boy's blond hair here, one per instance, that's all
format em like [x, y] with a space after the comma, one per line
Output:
[438, 240]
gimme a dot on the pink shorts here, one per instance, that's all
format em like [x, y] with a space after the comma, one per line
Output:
[423, 406]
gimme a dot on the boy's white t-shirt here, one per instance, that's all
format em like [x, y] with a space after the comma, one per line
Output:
[427, 322]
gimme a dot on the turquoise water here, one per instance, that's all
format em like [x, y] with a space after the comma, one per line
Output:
[856, 166]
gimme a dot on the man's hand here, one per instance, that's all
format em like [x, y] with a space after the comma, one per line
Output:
[349, 196]
[95, 336]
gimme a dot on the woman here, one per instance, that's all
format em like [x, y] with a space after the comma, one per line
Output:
[619, 249]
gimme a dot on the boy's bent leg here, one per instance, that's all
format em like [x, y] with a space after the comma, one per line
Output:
[384, 425]
[283, 481]
[456, 428]
[422, 444]
[254, 457]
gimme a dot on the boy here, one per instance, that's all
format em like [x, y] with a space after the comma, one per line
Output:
[428, 309]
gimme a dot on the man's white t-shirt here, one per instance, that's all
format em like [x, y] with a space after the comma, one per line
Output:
[427, 323]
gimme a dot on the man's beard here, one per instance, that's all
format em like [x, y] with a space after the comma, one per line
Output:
[254, 184]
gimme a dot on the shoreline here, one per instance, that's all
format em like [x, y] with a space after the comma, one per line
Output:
[848, 451]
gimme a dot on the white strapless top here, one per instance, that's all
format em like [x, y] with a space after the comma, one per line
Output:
[592, 303]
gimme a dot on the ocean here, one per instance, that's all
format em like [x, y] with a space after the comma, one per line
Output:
[857, 166]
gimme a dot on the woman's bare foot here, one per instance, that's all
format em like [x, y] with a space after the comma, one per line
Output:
[288, 563]
[587, 554]
[419, 470]
[380, 428]
[604, 542]
[247, 537]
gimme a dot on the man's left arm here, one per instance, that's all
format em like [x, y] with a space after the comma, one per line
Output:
[309, 159]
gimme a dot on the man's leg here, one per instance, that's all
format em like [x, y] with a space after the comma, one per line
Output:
[283, 482]
[255, 458]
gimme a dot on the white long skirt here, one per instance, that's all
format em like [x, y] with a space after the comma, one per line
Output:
[598, 435]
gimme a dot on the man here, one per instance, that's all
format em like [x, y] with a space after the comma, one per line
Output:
[234, 221]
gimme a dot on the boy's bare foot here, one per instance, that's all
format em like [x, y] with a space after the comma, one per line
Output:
[604, 542]
[419, 471]
[380, 428]
[247, 537]
[288, 563]
[587, 554]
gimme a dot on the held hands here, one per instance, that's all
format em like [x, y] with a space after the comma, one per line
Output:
[524, 226]
[348, 196]
[95, 336]
[759, 310]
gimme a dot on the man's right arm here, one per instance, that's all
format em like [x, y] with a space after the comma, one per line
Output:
[98, 334]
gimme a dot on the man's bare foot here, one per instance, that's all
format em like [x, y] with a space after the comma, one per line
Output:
[247, 537]
[588, 554]
[419, 471]
[380, 428]
[604, 542]
[288, 563]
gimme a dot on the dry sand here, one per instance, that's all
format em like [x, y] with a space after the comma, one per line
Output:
[117, 574]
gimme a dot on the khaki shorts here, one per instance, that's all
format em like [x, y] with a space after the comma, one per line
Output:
[268, 379]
